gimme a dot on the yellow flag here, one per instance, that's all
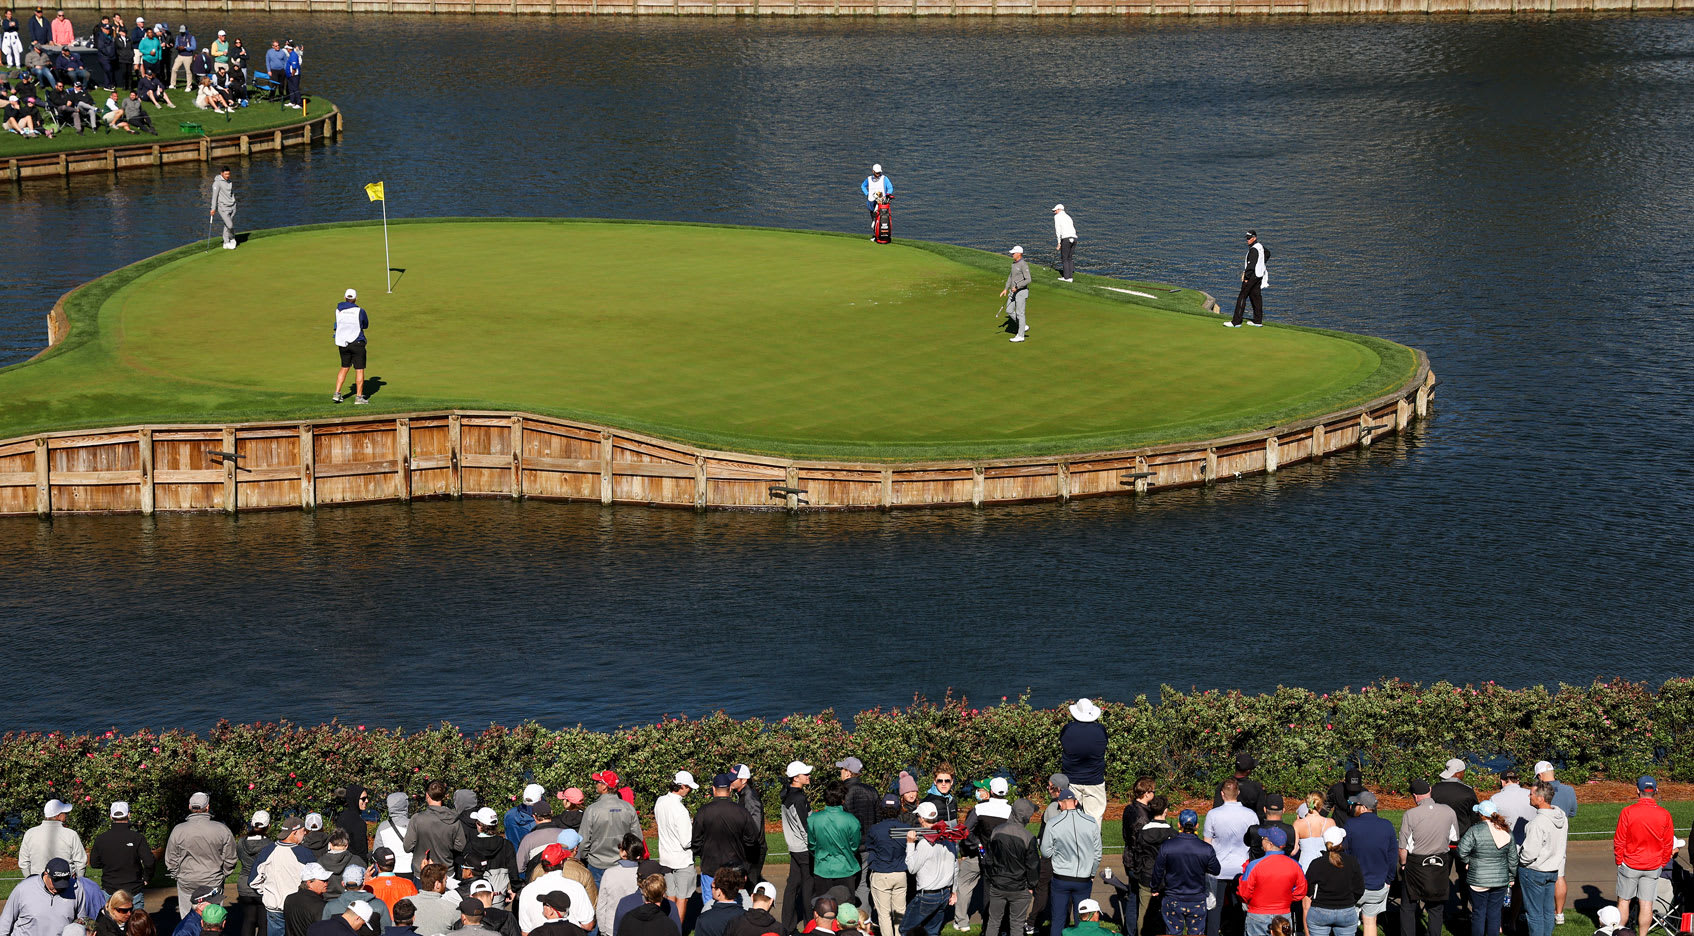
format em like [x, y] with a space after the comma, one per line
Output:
[374, 190]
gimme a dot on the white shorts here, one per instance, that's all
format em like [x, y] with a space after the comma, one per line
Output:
[681, 883]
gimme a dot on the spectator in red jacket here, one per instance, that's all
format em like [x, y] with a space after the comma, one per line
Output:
[1270, 886]
[1643, 844]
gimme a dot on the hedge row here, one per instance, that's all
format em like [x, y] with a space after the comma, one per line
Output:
[1395, 731]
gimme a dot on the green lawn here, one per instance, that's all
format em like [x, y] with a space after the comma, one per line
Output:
[746, 339]
[257, 117]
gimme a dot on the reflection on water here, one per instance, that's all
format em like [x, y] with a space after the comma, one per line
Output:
[1509, 194]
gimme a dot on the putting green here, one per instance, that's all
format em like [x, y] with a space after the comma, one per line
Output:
[746, 339]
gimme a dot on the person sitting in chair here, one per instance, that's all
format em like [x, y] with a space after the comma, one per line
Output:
[69, 67]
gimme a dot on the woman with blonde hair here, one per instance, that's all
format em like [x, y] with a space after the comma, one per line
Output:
[1309, 829]
[208, 97]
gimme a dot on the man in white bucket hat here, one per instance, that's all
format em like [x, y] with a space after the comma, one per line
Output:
[1082, 758]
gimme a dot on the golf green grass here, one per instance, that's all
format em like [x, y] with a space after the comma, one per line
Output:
[256, 118]
[744, 339]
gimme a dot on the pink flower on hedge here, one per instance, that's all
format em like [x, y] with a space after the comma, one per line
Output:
[155, 750]
[361, 727]
[249, 786]
[298, 783]
[143, 766]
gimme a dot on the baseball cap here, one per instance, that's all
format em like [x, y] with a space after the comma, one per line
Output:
[846, 913]
[1058, 781]
[485, 816]
[927, 811]
[471, 906]
[998, 786]
[1608, 915]
[353, 874]
[1245, 761]
[55, 807]
[314, 822]
[1188, 818]
[1252, 233]
[570, 838]
[352, 293]
[206, 892]
[384, 858]
[314, 872]
[481, 886]
[796, 768]
[1420, 787]
[221, 32]
[1274, 834]
[261, 819]
[723, 781]
[360, 908]
[1542, 767]
[289, 824]
[608, 777]
[851, 764]
[541, 810]
[684, 778]
[1647, 783]
[120, 810]
[876, 167]
[766, 888]
[558, 900]
[553, 855]
[213, 915]
[1016, 250]
[1067, 793]
[1455, 767]
[1333, 835]
[532, 793]
[1059, 207]
[573, 795]
[1364, 798]
[890, 800]
[63, 878]
[743, 772]
[1273, 801]
[1485, 808]
[1087, 905]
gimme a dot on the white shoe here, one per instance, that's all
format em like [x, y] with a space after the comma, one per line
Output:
[1017, 338]
[229, 246]
[1230, 325]
[960, 929]
[1064, 279]
[1257, 324]
[1558, 919]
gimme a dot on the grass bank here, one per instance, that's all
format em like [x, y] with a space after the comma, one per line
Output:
[256, 118]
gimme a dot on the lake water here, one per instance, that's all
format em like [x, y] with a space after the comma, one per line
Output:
[1511, 195]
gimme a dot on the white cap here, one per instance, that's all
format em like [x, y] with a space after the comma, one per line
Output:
[220, 32]
[1542, 767]
[354, 873]
[927, 810]
[120, 810]
[533, 792]
[743, 772]
[140, 20]
[354, 294]
[261, 818]
[1087, 906]
[684, 778]
[314, 872]
[360, 909]
[1333, 835]
[314, 822]
[1059, 207]
[1016, 250]
[1084, 710]
[876, 167]
[1608, 915]
[1454, 768]
[769, 890]
[481, 886]
[55, 808]
[485, 816]
[796, 768]
[998, 786]
[1679, 843]
[200, 801]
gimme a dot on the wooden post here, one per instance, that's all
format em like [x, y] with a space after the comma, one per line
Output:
[12, 168]
[246, 145]
[144, 449]
[64, 164]
[455, 474]
[308, 468]
[1211, 468]
[205, 149]
[700, 482]
[43, 480]
[403, 454]
[230, 465]
[978, 484]
[158, 157]
[111, 160]
[887, 488]
[1422, 404]
[1402, 415]
[1140, 467]
[792, 479]
[1318, 442]
[277, 137]
[1064, 481]
[1364, 430]
[517, 457]
[1273, 454]
[605, 467]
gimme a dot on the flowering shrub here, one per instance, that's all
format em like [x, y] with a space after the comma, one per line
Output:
[1394, 731]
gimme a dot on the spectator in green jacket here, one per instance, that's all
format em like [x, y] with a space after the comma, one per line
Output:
[1087, 920]
[1491, 857]
[834, 836]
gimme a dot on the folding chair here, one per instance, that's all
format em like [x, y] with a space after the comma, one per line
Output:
[264, 84]
[1667, 906]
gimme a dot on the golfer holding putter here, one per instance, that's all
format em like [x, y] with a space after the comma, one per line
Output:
[223, 203]
[1017, 289]
[350, 325]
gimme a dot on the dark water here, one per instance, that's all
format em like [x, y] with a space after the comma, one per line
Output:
[1511, 195]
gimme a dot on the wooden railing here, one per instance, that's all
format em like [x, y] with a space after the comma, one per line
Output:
[259, 466]
[201, 149]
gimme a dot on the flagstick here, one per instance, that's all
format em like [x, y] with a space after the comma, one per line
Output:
[387, 265]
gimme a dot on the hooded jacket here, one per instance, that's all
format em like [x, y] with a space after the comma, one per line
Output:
[353, 821]
[123, 854]
[391, 832]
[604, 824]
[435, 835]
[465, 803]
[648, 920]
[754, 922]
[518, 822]
[200, 851]
[490, 856]
[1011, 860]
[1072, 841]
[337, 862]
[1146, 848]
[248, 848]
[1544, 839]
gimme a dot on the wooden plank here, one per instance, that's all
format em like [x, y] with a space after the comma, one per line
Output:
[403, 451]
[455, 455]
[575, 465]
[188, 476]
[59, 444]
[308, 468]
[476, 460]
[230, 467]
[273, 473]
[517, 457]
[91, 478]
[433, 462]
[605, 467]
[652, 470]
[43, 482]
[17, 478]
[357, 469]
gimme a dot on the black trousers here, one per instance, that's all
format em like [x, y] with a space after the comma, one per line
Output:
[294, 89]
[1067, 248]
[1409, 914]
[797, 894]
[1250, 290]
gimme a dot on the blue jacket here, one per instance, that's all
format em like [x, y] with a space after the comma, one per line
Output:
[190, 925]
[886, 854]
[292, 64]
[1082, 755]
[185, 42]
[519, 820]
[1181, 868]
[1372, 840]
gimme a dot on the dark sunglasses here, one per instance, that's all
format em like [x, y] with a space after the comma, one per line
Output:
[941, 780]
[122, 909]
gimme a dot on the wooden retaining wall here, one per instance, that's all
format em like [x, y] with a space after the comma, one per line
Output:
[900, 7]
[202, 149]
[144, 469]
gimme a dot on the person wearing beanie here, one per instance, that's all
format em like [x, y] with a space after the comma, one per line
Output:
[122, 854]
[391, 832]
[1181, 871]
[906, 787]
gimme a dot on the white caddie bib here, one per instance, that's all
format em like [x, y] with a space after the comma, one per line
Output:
[347, 326]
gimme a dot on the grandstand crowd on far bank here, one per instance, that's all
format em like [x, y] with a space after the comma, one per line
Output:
[925, 850]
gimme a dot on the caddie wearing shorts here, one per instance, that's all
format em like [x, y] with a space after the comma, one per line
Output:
[350, 325]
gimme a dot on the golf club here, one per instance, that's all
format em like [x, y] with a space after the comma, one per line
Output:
[208, 233]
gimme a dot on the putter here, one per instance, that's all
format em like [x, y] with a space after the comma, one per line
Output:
[208, 233]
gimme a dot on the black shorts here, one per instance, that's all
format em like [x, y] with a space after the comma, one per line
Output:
[353, 355]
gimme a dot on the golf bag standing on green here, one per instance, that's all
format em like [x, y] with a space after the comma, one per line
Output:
[878, 190]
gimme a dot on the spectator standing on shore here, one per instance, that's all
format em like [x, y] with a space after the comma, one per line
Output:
[1427, 832]
[990, 812]
[50, 839]
[570, 815]
[1335, 886]
[1082, 757]
[384, 883]
[1249, 792]
[1273, 803]
[886, 866]
[11, 45]
[433, 835]
[724, 906]
[391, 832]
[1541, 860]
[519, 821]
[304, 908]
[1136, 814]
[435, 908]
[185, 45]
[1064, 233]
[932, 866]
[746, 795]
[43, 903]
[1271, 885]
[199, 851]
[488, 856]
[276, 64]
[220, 48]
[122, 854]
[605, 823]
[1452, 791]
[405, 915]
[1373, 841]
[106, 50]
[359, 917]
[725, 835]
[1564, 799]
[61, 30]
[942, 793]
[675, 828]
[353, 891]
[1183, 872]
[276, 872]
[248, 900]
[203, 899]
[291, 73]
[1643, 844]
[1488, 849]
[1512, 802]
[1145, 851]
[759, 920]
[355, 800]
[545, 832]
[1226, 831]
[1072, 842]
[1011, 864]
[796, 809]
[861, 804]
[1253, 281]
[555, 905]
[1309, 830]
[40, 27]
